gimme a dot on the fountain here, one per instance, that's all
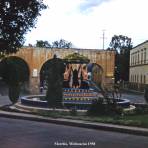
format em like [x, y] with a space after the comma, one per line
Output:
[79, 98]
[78, 92]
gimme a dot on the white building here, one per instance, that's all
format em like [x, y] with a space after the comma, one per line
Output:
[139, 66]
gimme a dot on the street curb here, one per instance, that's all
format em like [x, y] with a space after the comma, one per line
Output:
[77, 123]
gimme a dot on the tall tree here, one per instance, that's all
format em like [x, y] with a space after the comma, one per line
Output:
[122, 45]
[61, 44]
[16, 18]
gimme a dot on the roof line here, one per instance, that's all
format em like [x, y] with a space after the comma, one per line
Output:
[140, 44]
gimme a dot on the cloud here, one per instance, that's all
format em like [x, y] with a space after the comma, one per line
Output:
[84, 28]
[88, 5]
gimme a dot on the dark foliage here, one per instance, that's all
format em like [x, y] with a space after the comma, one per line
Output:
[97, 108]
[55, 72]
[16, 18]
[102, 107]
[42, 44]
[141, 109]
[146, 93]
[61, 44]
[56, 44]
[122, 45]
[14, 72]
[14, 92]
[73, 111]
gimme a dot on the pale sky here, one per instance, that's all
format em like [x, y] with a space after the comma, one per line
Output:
[82, 21]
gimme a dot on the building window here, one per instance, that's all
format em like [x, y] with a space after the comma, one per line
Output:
[137, 78]
[141, 56]
[131, 78]
[138, 58]
[133, 59]
[144, 55]
[144, 79]
[141, 79]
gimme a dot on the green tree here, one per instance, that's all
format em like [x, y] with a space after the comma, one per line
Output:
[14, 72]
[16, 18]
[122, 45]
[41, 43]
[55, 72]
[56, 44]
[61, 44]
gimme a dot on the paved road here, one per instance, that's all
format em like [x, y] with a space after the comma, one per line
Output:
[4, 100]
[29, 134]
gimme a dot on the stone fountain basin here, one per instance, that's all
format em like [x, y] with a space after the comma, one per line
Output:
[34, 100]
[123, 102]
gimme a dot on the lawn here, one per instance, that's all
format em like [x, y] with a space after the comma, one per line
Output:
[136, 119]
[140, 120]
[130, 120]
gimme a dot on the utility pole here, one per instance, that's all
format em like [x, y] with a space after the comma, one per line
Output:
[103, 37]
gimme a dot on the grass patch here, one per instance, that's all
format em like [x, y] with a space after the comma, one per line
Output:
[136, 119]
[128, 120]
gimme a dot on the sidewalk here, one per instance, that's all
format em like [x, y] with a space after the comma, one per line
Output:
[133, 97]
[77, 123]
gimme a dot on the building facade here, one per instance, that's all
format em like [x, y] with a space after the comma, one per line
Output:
[139, 66]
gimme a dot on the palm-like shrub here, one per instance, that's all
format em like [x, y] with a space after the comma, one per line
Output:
[55, 72]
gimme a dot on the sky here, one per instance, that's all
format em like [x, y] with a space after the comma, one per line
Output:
[82, 22]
